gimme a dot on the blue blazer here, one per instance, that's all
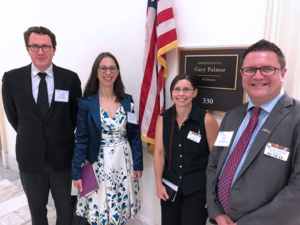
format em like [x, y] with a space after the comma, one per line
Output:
[88, 134]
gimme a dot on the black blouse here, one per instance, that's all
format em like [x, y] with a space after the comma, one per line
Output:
[189, 158]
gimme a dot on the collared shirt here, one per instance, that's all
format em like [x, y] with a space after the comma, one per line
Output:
[189, 158]
[35, 81]
[263, 115]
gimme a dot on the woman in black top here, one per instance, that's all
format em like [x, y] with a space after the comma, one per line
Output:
[185, 134]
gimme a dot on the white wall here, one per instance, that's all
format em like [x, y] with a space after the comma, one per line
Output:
[86, 28]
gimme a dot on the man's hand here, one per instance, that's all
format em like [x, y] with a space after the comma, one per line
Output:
[137, 174]
[223, 219]
[78, 185]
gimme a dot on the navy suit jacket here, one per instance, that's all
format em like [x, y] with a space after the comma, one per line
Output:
[88, 134]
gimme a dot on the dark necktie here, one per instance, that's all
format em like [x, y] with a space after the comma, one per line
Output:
[234, 160]
[42, 100]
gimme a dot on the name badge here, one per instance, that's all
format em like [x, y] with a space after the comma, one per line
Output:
[61, 96]
[277, 151]
[224, 138]
[131, 118]
[193, 136]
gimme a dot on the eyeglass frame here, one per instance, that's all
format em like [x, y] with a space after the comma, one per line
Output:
[29, 46]
[188, 90]
[108, 68]
[259, 68]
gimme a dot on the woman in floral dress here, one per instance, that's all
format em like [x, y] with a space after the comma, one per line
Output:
[107, 139]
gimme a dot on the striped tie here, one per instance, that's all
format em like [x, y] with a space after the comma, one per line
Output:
[234, 160]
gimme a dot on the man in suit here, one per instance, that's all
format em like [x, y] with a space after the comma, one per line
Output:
[253, 175]
[41, 104]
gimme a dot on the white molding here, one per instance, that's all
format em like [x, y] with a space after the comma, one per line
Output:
[4, 159]
[12, 162]
[3, 133]
[144, 221]
[272, 19]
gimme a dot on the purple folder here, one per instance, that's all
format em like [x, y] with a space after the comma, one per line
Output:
[89, 181]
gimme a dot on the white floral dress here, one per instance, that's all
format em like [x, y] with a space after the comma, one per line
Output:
[118, 197]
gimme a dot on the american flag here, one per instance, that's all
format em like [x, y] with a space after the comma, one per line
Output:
[160, 38]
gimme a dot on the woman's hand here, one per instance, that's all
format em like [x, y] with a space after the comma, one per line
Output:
[78, 185]
[161, 193]
[137, 174]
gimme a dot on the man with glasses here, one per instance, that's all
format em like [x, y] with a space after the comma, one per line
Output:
[253, 175]
[41, 104]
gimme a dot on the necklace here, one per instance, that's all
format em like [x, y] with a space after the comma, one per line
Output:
[112, 100]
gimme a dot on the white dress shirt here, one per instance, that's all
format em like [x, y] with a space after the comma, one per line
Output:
[35, 81]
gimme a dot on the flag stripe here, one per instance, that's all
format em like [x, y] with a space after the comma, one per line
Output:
[150, 28]
[164, 16]
[166, 38]
[156, 111]
[165, 27]
[151, 98]
[150, 59]
[163, 5]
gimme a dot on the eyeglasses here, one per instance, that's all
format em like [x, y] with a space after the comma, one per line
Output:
[36, 48]
[265, 70]
[185, 90]
[103, 69]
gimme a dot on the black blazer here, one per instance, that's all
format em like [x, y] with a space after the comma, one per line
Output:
[38, 138]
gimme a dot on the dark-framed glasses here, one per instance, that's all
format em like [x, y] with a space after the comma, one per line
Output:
[185, 90]
[265, 70]
[36, 48]
[103, 69]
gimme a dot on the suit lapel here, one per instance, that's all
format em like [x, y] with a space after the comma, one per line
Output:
[277, 114]
[25, 79]
[235, 124]
[94, 108]
[58, 84]
[125, 105]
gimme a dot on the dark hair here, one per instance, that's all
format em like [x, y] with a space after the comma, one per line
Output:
[181, 77]
[174, 82]
[264, 45]
[39, 30]
[92, 84]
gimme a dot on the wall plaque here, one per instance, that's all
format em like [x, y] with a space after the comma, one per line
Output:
[216, 74]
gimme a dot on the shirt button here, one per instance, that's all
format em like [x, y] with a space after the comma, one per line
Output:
[180, 166]
[179, 145]
[180, 155]
[183, 124]
[179, 177]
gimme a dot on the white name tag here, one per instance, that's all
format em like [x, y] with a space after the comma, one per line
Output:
[277, 151]
[193, 136]
[61, 96]
[224, 138]
[131, 118]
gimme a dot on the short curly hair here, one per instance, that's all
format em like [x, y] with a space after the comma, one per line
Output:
[39, 30]
[264, 45]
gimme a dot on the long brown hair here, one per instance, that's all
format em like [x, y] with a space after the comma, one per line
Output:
[92, 84]
[174, 82]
